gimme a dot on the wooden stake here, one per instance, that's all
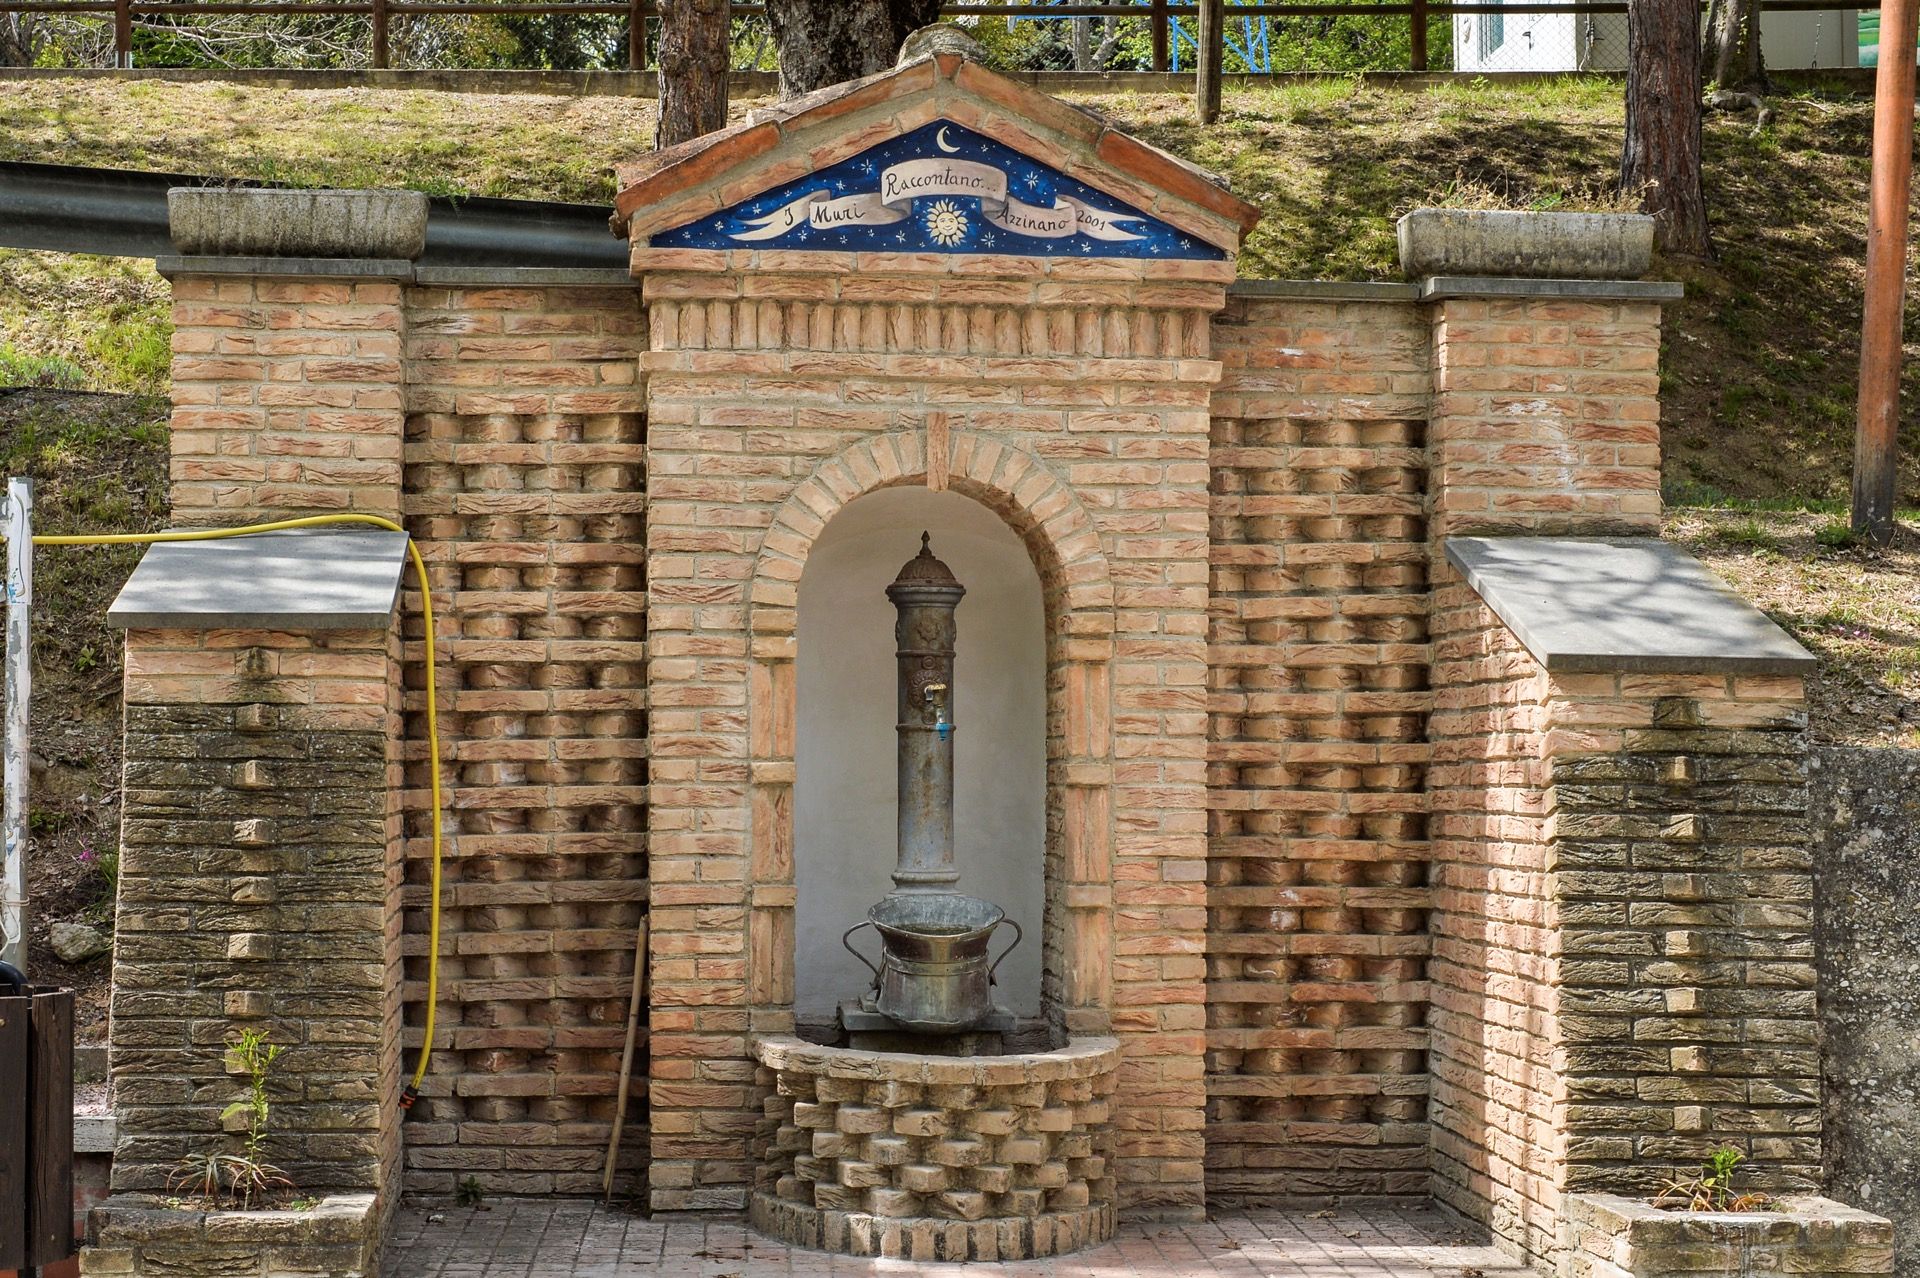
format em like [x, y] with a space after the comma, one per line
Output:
[626, 1058]
[1876, 438]
[1212, 31]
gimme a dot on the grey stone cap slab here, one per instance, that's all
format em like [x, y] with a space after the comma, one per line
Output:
[318, 268]
[528, 276]
[1327, 290]
[1591, 246]
[1622, 605]
[95, 1133]
[297, 223]
[300, 579]
[1438, 288]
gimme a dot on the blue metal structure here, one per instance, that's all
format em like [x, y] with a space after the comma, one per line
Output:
[1251, 45]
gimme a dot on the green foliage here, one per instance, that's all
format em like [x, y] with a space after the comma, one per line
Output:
[102, 870]
[46, 371]
[1748, 534]
[469, 1193]
[253, 1055]
[1836, 534]
[1712, 1189]
[241, 1179]
[69, 322]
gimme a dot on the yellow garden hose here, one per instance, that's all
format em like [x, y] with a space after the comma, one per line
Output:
[412, 1090]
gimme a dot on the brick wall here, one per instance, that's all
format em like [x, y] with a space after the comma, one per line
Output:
[286, 397]
[1317, 896]
[1499, 1101]
[259, 888]
[1545, 416]
[1074, 402]
[525, 488]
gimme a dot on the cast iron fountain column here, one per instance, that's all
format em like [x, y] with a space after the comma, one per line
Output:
[934, 976]
[925, 595]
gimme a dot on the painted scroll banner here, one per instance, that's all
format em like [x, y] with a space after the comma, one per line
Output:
[903, 183]
[940, 188]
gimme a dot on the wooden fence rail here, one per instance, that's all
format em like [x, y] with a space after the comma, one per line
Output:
[1160, 15]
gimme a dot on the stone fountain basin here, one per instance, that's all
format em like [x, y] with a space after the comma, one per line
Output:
[936, 1157]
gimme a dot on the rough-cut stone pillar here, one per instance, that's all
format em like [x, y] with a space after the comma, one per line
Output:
[1623, 965]
[256, 892]
[260, 871]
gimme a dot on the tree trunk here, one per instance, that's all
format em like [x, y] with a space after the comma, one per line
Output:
[823, 42]
[16, 40]
[1731, 56]
[694, 53]
[1661, 160]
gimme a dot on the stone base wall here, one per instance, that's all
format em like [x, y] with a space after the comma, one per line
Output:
[1609, 1237]
[136, 1235]
[936, 1157]
[1865, 814]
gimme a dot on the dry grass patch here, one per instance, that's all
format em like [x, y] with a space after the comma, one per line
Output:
[1856, 608]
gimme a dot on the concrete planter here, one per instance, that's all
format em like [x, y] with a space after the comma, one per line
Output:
[141, 1234]
[1606, 1236]
[206, 221]
[1499, 242]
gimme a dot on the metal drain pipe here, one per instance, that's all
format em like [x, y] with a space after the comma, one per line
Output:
[123, 213]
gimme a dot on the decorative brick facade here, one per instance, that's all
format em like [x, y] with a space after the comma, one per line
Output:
[1317, 897]
[1367, 899]
[525, 487]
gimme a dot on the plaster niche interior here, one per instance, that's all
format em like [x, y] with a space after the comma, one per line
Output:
[844, 803]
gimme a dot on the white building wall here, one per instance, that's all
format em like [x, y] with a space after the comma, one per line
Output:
[1598, 42]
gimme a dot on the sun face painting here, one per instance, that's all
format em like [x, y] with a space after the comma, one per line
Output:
[944, 189]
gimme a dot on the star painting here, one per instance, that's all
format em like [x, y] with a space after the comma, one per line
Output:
[942, 188]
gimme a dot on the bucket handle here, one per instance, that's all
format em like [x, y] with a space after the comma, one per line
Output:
[846, 940]
[1018, 936]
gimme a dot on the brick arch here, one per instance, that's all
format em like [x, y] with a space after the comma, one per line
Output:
[1079, 598]
[1012, 482]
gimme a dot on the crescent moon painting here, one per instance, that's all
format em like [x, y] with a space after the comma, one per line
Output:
[941, 187]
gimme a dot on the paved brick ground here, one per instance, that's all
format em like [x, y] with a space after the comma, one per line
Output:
[570, 1238]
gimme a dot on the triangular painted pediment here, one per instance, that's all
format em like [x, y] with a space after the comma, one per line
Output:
[1065, 183]
[940, 188]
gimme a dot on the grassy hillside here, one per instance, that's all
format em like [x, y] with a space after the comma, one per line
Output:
[1759, 364]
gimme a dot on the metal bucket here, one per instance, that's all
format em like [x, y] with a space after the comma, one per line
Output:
[933, 972]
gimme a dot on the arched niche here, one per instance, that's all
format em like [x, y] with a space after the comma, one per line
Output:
[844, 795]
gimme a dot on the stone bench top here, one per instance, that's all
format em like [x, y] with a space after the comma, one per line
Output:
[300, 579]
[1626, 605]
